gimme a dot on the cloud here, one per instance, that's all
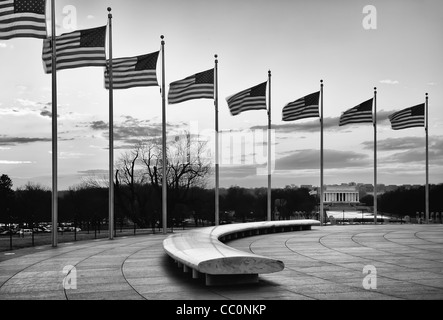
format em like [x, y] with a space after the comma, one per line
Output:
[418, 155]
[93, 172]
[29, 103]
[298, 166]
[383, 117]
[7, 162]
[308, 126]
[392, 144]
[90, 17]
[16, 112]
[405, 158]
[310, 159]
[432, 83]
[13, 141]
[28, 107]
[132, 130]
[237, 171]
[407, 151]
[329, 123]
[72, 155]
[388, 81]
[4, 45]
[407, 144]
[99, 125]
[46, 113]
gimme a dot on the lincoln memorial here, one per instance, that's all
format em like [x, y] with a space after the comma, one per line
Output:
[341, 194]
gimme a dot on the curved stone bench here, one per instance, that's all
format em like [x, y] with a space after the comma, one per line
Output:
[202, 251]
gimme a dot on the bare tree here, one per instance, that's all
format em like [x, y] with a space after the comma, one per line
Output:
[139, 177]
[188, 165]
[130, 184]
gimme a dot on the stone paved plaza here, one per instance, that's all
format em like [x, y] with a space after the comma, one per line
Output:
[322, 264]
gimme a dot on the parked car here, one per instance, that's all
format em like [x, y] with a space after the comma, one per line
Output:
[72, 229]
[46, 230]
[7, 232]
[24, 231]
[40, 230]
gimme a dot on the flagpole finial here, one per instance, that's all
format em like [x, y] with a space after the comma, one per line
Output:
[216, 58]
[109, 10]
[162, 37]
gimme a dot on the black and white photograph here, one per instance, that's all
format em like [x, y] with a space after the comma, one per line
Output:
[219, 157]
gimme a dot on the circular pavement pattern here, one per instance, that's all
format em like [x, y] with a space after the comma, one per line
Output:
[373, 262]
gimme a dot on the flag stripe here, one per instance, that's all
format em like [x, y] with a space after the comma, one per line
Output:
[197, 86]
[123, 82]
[22, 24]
[305, 107]
[408, 118]
[72, 53]
[359, 114]
[125, 73]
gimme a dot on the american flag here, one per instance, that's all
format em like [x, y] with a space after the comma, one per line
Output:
[408, 118]
[22, 19]
[197, 86]
[306, 107]
[139, 71]
[359, 114]
[250, 99]
[82, 48]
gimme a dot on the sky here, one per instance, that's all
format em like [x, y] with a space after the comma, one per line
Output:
[395, 46]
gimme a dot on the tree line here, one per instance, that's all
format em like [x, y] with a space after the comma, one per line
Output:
[139, 204]
[407, 202]
[138, 193]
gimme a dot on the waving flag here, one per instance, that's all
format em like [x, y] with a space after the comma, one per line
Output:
[22, 19]
[408, 118]
[250, 99]
[82, 48]
[139, 71]
[197, 86]
[306, 107]
[359, 114]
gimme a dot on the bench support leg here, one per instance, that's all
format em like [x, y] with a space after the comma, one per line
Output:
[217, 280]
[195, 274]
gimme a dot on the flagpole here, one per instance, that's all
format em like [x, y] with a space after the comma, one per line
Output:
[321, 154]
[427, 162]
[217, 181]
[54, 130]
[375, 155]
[269, 217]
[165, 180]
[111, 134]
